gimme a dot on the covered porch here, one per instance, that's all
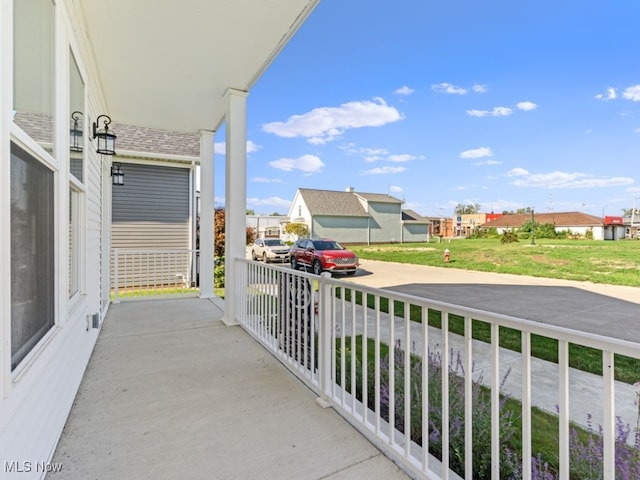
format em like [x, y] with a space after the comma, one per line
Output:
[171, 392]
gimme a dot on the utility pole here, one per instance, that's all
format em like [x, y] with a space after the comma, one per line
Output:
[533, 228]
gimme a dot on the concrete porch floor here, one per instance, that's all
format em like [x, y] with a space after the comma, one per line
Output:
[171, 392]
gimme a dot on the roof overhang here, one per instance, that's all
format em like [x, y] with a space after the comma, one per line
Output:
[168, 64]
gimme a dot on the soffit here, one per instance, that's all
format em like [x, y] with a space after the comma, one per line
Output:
[167, 64]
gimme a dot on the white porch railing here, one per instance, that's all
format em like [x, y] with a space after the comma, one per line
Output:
[335, 336]
[139, 274]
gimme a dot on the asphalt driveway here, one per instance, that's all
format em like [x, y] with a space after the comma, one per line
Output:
[599, 309]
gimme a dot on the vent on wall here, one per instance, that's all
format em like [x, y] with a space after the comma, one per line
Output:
[93, 321]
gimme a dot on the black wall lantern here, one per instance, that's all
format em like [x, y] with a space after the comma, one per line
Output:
[75, 134]
[106, 139]
[117, 175]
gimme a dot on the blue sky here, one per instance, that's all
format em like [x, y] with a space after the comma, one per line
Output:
[499, 103]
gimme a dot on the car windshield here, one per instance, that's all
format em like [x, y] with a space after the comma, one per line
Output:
[327, 245]
[274, 243]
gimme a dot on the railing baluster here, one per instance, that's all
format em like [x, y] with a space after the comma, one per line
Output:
[444, 372]
[353, 352]
[495, 401]
[526, 405]
[609, 415]
[468, 397]
[425, 389]
[563, 406]
[365, 358]
[392, 370]
[407, 380]
[377, 363]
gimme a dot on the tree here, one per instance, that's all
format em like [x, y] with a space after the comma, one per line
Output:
[467, 209]
[297, 229]
[219, 235]
[628, 212]
[251, 211]
[218, 231]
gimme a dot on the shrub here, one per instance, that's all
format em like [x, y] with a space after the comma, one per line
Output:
[509, 461]
[218, 272]
[508, 237]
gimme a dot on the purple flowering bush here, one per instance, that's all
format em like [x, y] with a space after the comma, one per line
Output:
[586, 445]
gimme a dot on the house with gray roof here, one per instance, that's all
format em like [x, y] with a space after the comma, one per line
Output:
[576, 223]
[356, 217]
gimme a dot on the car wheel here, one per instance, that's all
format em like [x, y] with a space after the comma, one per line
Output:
[317, 268]
[294, 263]
[253, 255]
[264, 258]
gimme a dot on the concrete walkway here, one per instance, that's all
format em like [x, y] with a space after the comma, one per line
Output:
[170, 392]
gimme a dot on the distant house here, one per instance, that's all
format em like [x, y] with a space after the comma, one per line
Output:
[155, 208]
[356, 217]
[576, 223]
[268, 226]
[415, 227]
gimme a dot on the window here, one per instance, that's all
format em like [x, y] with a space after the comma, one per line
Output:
[76, 120]
[74, 241]
[33, 82]
[32, 254]
[76, 169]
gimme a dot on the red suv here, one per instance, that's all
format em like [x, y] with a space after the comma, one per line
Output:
[323, 255]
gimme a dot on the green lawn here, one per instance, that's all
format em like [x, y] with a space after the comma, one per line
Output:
[598, 261]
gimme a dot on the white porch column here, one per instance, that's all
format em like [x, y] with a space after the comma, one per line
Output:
[206, 213]
[235, 198]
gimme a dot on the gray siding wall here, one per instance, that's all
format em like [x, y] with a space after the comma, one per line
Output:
[341, 229]
[415, 233]
[151, 212]
[385, 222]
[151, 209]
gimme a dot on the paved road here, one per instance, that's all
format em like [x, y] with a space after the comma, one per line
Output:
[600, 309]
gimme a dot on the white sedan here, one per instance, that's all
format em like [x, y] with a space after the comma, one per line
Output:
[270, 250]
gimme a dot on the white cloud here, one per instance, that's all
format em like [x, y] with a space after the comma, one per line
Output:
[526, 106]
[479, 88]
[324, 124]
[477, 153]
[269, 202]
[637, 130]
[632, 93]
[384, 170]
[564, 180]
[266, 180]
[517, 172]
[496, 112]
[219, 148]
[404, 90]
[404, 157]
[501, 111]
[487, 162]
[448, 88]
[395, 189]
[610, 94]
[305, 163]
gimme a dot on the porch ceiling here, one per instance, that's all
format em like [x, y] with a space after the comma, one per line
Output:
[167, 64]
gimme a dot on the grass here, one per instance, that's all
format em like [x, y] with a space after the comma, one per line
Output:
[598, 261]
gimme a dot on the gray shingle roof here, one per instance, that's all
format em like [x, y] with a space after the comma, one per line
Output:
[559, 219]
[330, 202]
[153, 140]
[409, 216]
[378, 197]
